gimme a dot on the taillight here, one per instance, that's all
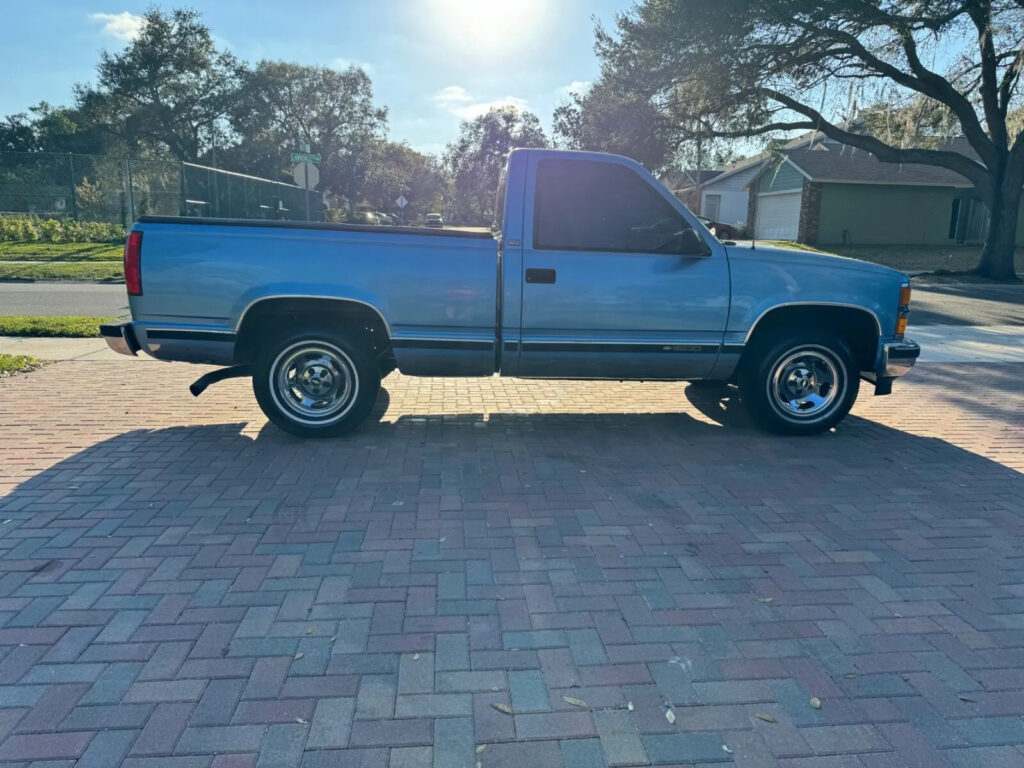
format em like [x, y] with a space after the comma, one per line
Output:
[133, 263]
[904, 310]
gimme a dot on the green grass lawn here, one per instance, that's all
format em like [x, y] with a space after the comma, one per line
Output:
[61, 251]
[57, 325]
[63, 270]
[12, 364]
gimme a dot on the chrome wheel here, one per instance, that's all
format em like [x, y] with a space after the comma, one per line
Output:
[314, 382]
[806, 385]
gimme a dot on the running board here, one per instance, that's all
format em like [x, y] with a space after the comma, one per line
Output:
[199, 385]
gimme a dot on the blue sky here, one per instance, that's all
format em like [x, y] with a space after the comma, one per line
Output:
[432, 62]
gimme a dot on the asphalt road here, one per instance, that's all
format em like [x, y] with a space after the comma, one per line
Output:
[52, 298]
[967, 304]
[935, 304]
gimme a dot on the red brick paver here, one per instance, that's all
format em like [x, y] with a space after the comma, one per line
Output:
[541, 569]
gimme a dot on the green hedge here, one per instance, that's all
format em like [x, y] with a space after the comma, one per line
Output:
[45, 325]
[29, 229]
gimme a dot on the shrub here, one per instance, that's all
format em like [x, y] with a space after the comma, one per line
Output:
[51, 231]
[27, 232]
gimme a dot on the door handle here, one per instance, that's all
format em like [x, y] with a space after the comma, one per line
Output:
[540, 275]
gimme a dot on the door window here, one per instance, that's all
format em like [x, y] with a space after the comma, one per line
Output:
[582, 205]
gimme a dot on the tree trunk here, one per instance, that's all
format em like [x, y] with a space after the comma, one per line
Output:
[997, 254]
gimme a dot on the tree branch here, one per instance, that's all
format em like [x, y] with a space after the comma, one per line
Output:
[713, 133]
[954, 161]
[923, 80]
[981, 16]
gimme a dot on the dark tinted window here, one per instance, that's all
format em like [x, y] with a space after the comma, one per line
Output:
[583, 205]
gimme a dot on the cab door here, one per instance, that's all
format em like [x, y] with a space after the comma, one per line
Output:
[619, 281]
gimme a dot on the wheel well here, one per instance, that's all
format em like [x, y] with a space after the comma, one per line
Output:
[857, 327]
[273, 315]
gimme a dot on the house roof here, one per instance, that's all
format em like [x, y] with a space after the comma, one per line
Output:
[681, 179]
[843, 164]
[754, 161]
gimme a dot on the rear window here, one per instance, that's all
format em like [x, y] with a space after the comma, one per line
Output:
[583, 205]
[499, 202]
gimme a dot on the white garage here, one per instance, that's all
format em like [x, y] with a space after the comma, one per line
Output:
[778, 215]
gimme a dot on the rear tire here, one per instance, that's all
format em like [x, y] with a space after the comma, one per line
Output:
[799, 382]
[316, 382]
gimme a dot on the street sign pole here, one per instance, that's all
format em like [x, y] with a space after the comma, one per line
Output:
[306, 185]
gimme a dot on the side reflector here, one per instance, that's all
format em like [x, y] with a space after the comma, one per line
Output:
[904, 295]
[901, 326]
[133, 263]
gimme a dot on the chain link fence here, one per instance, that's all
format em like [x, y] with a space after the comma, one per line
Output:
[120, 189]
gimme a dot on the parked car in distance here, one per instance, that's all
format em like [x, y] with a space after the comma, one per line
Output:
[434, 220]
[385, 218]
[592, 270]
[365, 217]
[720, 230]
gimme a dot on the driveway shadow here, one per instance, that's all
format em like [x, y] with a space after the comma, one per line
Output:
[651, 558]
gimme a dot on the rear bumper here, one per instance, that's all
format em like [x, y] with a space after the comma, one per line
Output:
[120, 338]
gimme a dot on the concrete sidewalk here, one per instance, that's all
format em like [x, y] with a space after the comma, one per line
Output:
[969, 343]
[61, 349]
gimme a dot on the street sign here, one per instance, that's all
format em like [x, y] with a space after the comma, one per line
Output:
[401, 202]
[305, 157]
[306, 175]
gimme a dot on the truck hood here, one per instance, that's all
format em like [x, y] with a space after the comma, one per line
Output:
[799, 257]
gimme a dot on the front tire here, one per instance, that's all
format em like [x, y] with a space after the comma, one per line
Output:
[799, 383]
[316, 382]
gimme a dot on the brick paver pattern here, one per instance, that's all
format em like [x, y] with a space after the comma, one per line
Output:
[509, 573]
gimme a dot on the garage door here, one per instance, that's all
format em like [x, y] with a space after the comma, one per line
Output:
[778, 216]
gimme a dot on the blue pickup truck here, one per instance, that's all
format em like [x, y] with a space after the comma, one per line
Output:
[593, 270]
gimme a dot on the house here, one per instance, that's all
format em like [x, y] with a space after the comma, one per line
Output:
[835, 194]
[724, 195]
[684, 184]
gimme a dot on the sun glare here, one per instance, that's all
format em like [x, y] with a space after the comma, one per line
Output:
[486, 25]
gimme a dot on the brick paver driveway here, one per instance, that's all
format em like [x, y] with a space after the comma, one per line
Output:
[509, 573]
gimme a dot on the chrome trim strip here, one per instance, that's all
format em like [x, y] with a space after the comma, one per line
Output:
[750, 331]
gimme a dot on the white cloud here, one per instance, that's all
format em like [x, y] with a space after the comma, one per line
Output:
[458, 101]
[342, 63]
[123, 26]
[576, 86]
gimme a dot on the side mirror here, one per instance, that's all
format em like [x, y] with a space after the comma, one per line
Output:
[691, 244]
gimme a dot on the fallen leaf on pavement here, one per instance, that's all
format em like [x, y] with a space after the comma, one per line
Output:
[574, 702]
[766, 718]
[503, 708]
[815, 702]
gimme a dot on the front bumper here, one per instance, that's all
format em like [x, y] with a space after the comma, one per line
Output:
[120, 338]
[896, 358]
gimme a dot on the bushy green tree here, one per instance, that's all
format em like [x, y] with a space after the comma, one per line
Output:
[281, 105]
[395, 169]
[171, 88]
[606, 119]
[476, 158]
[764, 65]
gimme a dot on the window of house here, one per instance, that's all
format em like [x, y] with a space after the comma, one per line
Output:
[582, 205]
[712, 206]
